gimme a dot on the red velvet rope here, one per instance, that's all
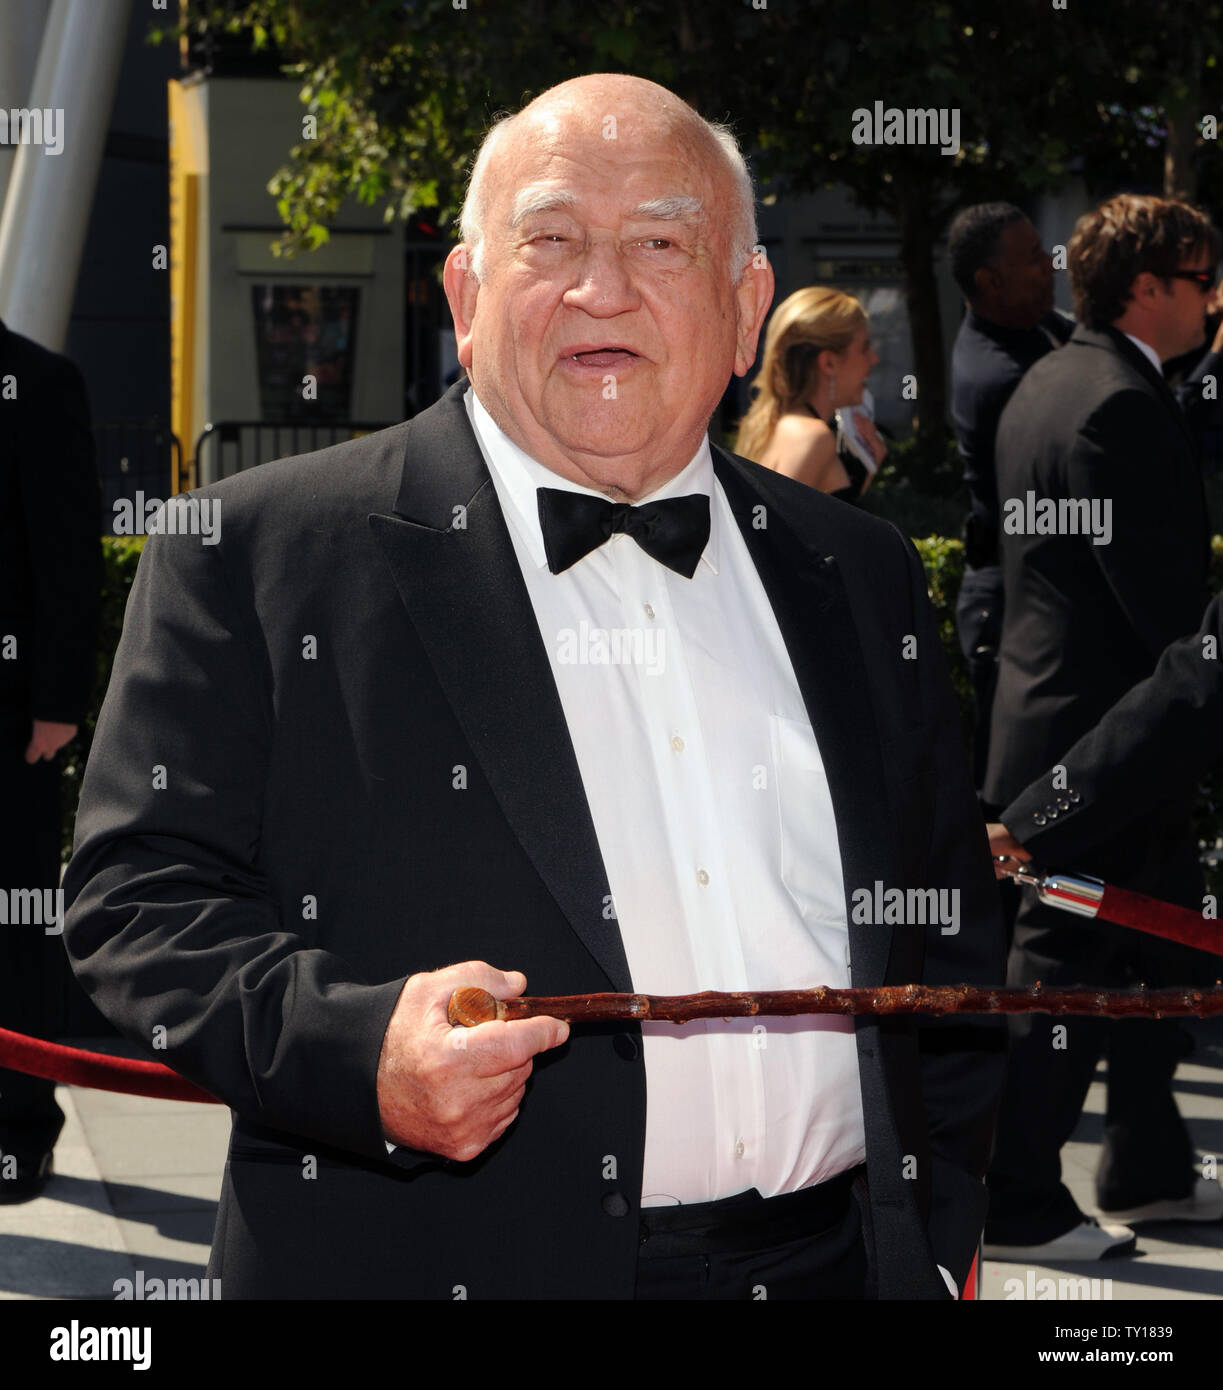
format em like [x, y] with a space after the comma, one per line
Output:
[55, 1062]
[1158, 918]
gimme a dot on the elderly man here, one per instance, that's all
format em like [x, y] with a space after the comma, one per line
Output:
[458, 692]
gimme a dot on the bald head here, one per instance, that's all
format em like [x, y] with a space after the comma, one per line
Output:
[605, 289]
[617, 107]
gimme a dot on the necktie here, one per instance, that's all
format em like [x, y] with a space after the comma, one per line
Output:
[674, 531]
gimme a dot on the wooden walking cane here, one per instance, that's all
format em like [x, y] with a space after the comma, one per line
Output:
[469, 1007]
[1089, 897]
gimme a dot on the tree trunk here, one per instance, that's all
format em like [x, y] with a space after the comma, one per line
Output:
[1180, 169]
[915, 212]
[1182, 111]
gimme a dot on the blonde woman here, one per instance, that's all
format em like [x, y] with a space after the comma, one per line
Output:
[817, 356]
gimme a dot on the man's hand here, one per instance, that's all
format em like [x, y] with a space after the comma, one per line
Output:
[1001, 841]
[47, 738]
[452, 1091]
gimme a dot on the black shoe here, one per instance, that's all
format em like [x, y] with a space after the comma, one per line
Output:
[28, 1181]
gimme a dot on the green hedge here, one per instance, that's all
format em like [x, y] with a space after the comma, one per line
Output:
[943, 559]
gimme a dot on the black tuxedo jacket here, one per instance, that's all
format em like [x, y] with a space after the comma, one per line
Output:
[365, 772]
[1151, 746]
[988, 361]
[50, 554]
[1085, 622]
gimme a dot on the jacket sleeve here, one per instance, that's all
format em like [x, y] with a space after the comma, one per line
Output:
[1154, 742]
[962, 1059]
[171, 926]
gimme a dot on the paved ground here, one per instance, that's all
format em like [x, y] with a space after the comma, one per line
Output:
[137, 1182]
[135, 1188]
[1174, 1260]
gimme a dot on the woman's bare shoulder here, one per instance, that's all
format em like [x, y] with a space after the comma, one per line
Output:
[801, 428]
[804, 448]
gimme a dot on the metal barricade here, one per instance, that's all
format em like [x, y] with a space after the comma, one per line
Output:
[136, 460]
[226, 447]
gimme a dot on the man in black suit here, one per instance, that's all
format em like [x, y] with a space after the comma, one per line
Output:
[1104, 551]
[49, 601]
[1198, 375]
[416, 708]
[1006, 276]
[1150, 747]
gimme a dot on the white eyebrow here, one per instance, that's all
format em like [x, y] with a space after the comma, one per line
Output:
[676, 207]
[539, 198]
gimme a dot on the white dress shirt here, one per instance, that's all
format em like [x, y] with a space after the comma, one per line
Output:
[716, 827]
[1148, 352]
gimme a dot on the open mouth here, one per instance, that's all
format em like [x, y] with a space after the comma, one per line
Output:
[604, 357]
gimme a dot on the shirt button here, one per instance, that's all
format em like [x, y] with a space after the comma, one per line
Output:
[649, 610]
[678, 744]
[702, 877]
[739, 1149]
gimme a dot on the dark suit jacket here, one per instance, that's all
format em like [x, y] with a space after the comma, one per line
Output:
[1085, 622]
[50, 521]
[1151, 746]
[310, 849]
[988, 361]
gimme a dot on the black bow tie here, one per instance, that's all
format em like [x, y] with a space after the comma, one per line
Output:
[674, 531]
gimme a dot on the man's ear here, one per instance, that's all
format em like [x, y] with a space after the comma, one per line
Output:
[1146, 285]
[753, 295]
[985, 282]
[462, 289]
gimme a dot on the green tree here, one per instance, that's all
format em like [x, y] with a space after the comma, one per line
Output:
[404, 89]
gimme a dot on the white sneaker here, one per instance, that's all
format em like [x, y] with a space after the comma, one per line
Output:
[1088, 1241]
[1205, 1203]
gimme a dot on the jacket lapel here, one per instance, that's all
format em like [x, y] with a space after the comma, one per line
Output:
[804, 585]
[463, 591]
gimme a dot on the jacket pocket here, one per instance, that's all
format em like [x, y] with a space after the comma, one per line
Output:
[810, 859]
